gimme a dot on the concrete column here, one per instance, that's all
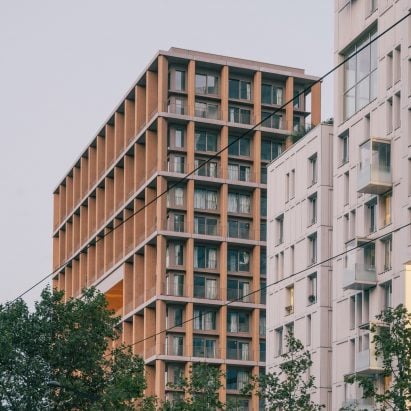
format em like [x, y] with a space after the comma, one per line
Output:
[224, 93]
[140, 106]
[191, 73]
[289, 109]
[162, 83]
[257, 96]
[129, 120]
[316, 104]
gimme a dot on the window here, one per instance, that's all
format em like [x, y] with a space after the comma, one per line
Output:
[292, 260]
[204, 319]
[205, 257]
[371, 215]
[389, 116]
[205, 225]
[205, 141]
[297, 98]
[239, 115]
[344, 147]
[206, 110]
[174, 373]
[176, 164]
[263, 292]
[174, 254]
[176, 137]
[174, 316]
[272, 120]
[309, 330]
[238, 289]
[263, 175]
[387, 294]
[397, 110]
[270, 149]
[360, 75]
[369, 257]
[346, 188]
[279, 341]
[239, 146]
[312, 249]
[238, 321]
[263, 206]
[312, 170]
[263, 231]
[263, 262]
[312, 209]
[205, 287]
[238, 350]
[238, 228]
[204, 347]
[176, 106]
[289, 308]
[205, 168]
[175, 197]
[206, 84]
[387, 247]
[280, 229]
[175, 284]
[292, 184]
[263, 324]
[174, 345]
[177, 80]
[239, 203]
[239, 172]
[175, 222]
[386, 201]
[312, 288]
[238, 260]
[397, 64]
[272, 94]
[373, 5]
[239, 89]
[205, 199]
[237, 378]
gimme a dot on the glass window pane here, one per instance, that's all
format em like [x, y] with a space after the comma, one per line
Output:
[212, 84]
[201, 82]
[246, 90]
[266, 94]
[234, 89]
[233, 145]
[362, 94]
[349, 76]
[363, 61]
[244, 146]
[200, 141]
[349, 103]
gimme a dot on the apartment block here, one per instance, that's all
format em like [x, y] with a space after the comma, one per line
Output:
[362, 221]
[299, 238]
[165, 248]
[372, 158]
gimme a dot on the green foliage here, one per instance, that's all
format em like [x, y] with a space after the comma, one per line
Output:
[392, 339]
[200, 391]
[59, 356]
[289, 388]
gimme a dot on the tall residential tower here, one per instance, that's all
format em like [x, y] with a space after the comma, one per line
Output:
[203, 243]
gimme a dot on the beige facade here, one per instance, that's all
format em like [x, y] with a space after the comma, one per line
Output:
[299, 235]
[370, 162]
[202, 243]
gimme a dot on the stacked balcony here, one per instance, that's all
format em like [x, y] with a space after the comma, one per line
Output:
[359, 271]
[366, 362]
[374, 171]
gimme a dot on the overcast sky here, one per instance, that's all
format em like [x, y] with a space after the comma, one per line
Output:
[65, 65]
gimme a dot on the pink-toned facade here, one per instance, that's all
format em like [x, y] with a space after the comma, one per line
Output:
[370, 162]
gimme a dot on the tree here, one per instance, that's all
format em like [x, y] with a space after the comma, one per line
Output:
[59, 356]
[199, 392]
[289, 388]
[392, 340]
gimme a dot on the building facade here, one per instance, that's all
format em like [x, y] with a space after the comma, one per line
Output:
[300, 236]
[370, 162]
[164, 248]
[372, 130]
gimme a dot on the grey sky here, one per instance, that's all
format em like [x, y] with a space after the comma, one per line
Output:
[65, 64]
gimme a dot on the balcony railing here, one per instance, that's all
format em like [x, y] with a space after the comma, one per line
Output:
[211, 293]
[374, 170]
[243, 354]
[235, 294]
[359, 277]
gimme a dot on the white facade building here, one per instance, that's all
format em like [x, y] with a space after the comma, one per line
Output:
[299, 237]
[368, 164]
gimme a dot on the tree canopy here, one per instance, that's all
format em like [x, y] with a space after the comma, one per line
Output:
[60, 356]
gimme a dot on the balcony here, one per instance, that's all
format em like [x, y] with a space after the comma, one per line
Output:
[242, 353]
[366, 362]
[374, 170]
[359, 272]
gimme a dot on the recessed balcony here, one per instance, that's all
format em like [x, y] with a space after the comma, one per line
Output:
[359, 272]
[374, 170]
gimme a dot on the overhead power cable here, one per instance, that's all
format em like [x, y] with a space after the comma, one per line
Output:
[186, 176]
